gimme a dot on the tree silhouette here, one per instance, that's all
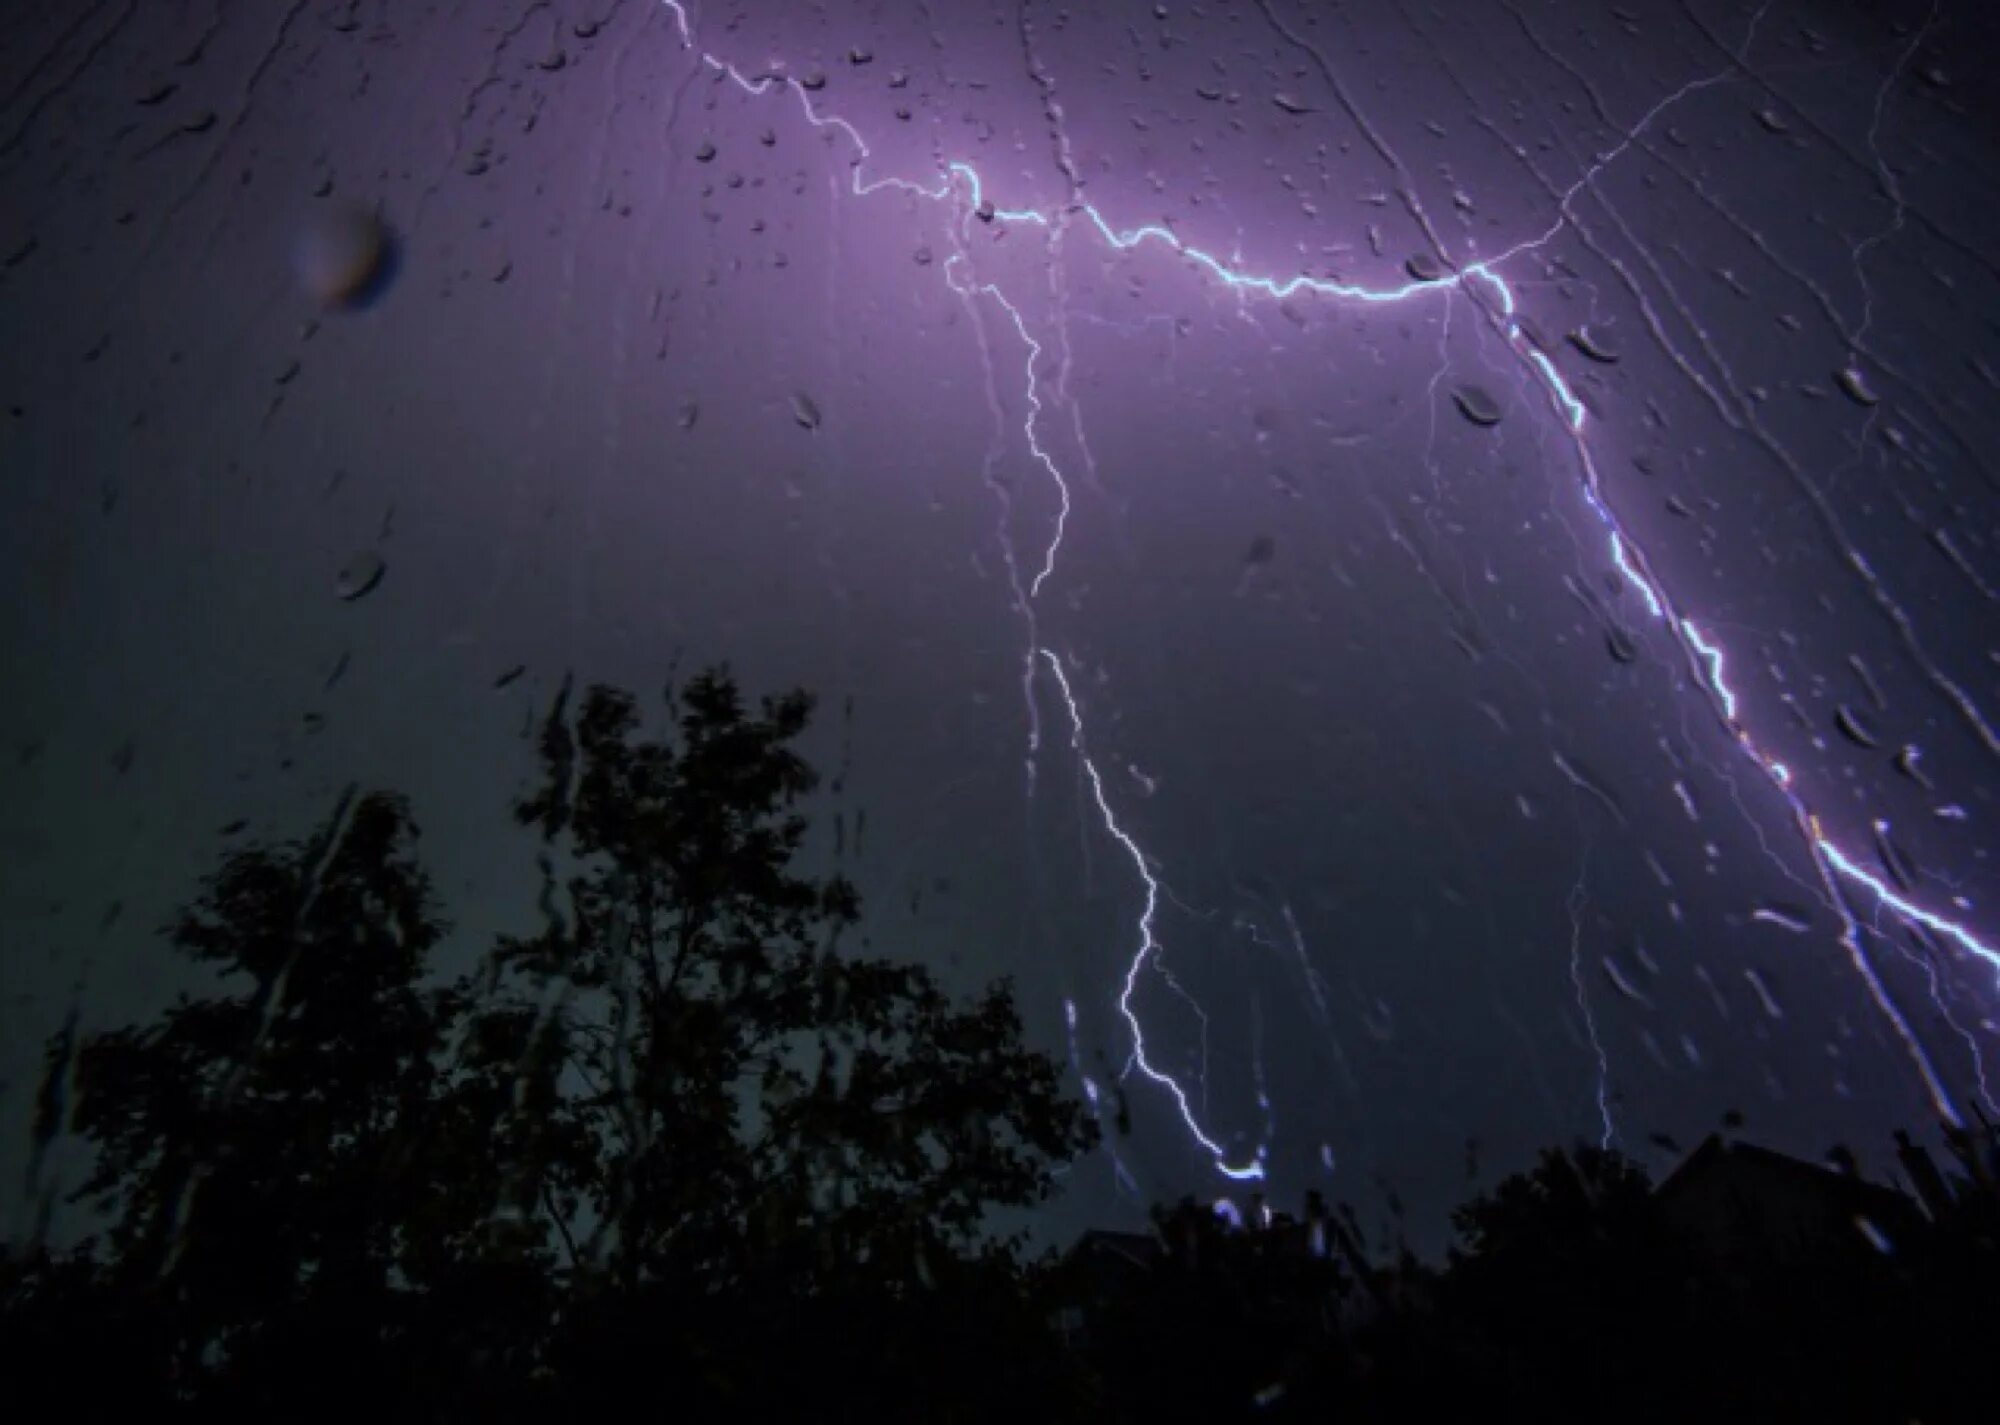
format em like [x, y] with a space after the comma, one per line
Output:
[261, 1150]
[725, 1106]
[675, 1129]
[1555, 1295]
[685, 1144]
[1236, 1318]
[1572, 1202]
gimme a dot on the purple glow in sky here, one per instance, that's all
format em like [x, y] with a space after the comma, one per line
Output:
[962, 183]
[947, 360]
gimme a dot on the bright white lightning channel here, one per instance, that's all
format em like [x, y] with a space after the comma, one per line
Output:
[1481, 283]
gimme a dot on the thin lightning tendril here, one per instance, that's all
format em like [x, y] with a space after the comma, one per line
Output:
[1148, 947]
[1575, 904]
[1042, 457]
[1483, 285]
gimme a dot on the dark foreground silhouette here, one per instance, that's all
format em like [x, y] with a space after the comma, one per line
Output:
[679, 1150]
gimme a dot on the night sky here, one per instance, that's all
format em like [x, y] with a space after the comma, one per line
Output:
[1438, 561]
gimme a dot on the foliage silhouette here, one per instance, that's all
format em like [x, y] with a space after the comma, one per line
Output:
[1578, 1291]
[675, 1130]
[726, 1108]
[1234, 1319]
[683, 1145]
[262, 1152]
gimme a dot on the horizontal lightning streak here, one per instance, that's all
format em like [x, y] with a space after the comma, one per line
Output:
[1704, 656]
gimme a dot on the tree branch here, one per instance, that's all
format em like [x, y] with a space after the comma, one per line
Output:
[562, 1227]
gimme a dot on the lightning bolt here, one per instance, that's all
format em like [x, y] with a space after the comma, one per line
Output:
[1149, 947]
[1481, 283]
[1031, 423]
[1575, 904]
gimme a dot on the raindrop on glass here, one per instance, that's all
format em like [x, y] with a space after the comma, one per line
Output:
[359, 575]
[1476, 405]
[342, 253]
[1593, 344]
[1855, 384]
[1853, 728]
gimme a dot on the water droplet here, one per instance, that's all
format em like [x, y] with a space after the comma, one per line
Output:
[1593, 344]
[343, 256]
[1764, 995]
[690, 413]
[1894, 859]
[1622, 982]
[359, 575]
[1876, 1237]
[1476, 405]
[1423, 267]
[804, 411]
[1784, 916]
[706, 153]
[1851, 726]
[1854, 382]
[1290, 105]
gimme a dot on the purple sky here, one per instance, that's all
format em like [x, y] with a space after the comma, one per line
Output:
[1452, 837]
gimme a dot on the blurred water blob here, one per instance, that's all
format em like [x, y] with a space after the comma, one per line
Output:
[345, 256]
